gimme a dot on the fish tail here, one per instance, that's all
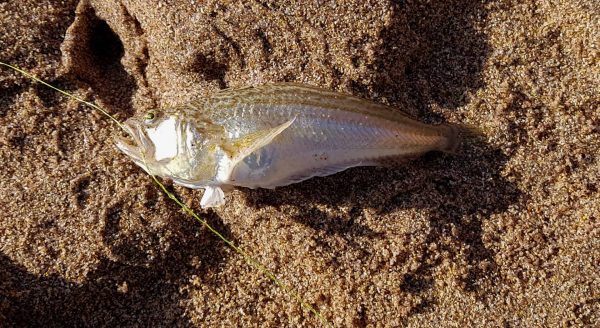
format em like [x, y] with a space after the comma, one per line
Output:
[457, 134]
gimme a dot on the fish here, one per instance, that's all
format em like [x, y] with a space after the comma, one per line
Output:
[273, 135]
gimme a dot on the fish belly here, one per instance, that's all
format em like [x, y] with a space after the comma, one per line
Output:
[319, 147]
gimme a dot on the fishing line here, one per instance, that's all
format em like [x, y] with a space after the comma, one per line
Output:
[27, 74]
[249, 259]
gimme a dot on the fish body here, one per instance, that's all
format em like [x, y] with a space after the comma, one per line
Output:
[275, 135]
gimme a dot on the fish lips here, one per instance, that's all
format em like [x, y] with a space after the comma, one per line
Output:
[138, 146]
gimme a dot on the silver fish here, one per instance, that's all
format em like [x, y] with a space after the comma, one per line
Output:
[274, 135]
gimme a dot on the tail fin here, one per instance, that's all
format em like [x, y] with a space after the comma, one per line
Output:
[456, 134]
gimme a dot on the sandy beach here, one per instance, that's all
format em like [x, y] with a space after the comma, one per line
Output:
[504, 233]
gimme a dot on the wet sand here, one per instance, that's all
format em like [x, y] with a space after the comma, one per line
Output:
[504, 233]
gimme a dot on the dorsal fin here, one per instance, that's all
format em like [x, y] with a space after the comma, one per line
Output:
[303, 94]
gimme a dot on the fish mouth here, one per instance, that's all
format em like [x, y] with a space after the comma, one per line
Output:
[137, 145]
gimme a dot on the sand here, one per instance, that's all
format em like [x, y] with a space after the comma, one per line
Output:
[504, 233]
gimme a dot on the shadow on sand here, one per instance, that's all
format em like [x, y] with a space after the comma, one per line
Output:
[430, 56]
[127, 288]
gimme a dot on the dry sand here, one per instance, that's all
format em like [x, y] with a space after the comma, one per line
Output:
[505, 233]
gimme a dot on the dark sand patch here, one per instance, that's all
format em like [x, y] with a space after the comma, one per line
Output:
[505, 233]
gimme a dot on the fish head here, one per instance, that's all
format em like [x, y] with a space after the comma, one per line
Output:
[166, 144]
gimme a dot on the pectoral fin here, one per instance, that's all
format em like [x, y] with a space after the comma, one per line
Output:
[213, 197]
[246, 145]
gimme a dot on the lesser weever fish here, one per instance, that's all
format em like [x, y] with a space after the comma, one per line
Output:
[274, 135]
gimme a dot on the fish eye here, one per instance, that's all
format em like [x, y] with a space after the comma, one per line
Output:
[149, 117]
